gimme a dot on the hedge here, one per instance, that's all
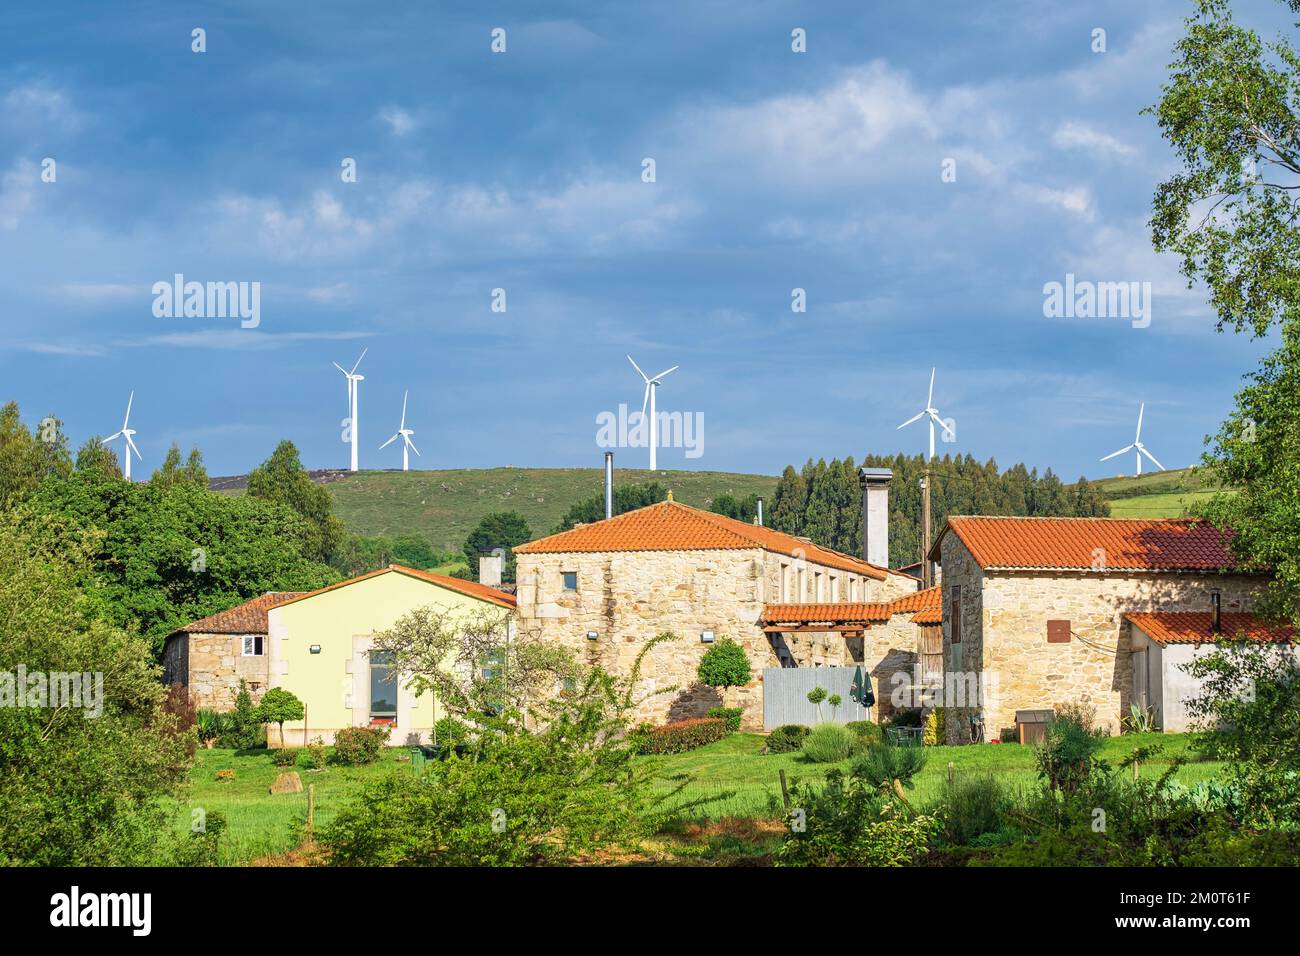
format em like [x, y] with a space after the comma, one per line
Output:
[683, 735]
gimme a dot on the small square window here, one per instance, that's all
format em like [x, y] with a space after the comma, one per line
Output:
[570, 580]
[253, 645]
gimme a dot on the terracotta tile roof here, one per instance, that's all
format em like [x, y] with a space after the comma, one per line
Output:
[471, 588]
[869, 613]
[930, 617]
[843, 613]
[1072, 544]
[1193, 627]
[673, 526]
[246, 618]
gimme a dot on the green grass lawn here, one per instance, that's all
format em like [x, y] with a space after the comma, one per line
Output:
[1172, 505]
[729, 778]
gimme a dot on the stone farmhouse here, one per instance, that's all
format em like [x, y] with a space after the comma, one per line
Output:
[212, 655]
[1038, 612]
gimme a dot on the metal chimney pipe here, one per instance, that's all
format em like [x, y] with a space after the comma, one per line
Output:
[609, 484]
[1216, 604]
[760, 510]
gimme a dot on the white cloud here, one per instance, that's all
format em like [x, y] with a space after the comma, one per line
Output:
[1075, 135]
[399, 121]
[240, 339]
[35, 104]
[17, 193]
[97, 293]
[1074, 199]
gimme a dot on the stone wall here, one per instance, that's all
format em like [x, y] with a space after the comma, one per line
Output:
[1004, 636]
[629, 597]
[891, 658]
[216, 665]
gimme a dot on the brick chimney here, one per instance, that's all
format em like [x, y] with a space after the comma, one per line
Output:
[875, 514]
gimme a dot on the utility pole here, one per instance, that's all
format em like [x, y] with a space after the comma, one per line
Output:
[927, 571]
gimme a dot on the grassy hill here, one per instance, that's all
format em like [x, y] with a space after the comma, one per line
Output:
[444, 506]
[1162, 494]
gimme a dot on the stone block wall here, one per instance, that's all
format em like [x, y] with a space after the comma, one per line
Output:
[215, 666]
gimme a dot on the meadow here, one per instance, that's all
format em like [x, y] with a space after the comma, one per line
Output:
[729, 778]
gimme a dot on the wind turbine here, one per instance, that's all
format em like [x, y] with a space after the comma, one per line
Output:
[1137, 447]
[354, 386]
[927, 569]
[405, 434]
[126, 433]
[650, 385]
[933, 413]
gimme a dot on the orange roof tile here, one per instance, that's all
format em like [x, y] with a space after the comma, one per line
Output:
[471, 588]
[929, 617]
[673, 526]
[868, 613]
[1193, 627]
[246, 618]
[918, 601]
[1086, 544]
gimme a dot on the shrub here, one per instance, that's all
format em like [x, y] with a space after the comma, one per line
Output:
[244, 730]
[354, 746]
[210, 724]
[683, 735]
[724, 665]
[180, 707]
[312, 757]
[450, 732]
[279, 705]
[868, 731]
[731, 715]
[904, 718]
[285, 757]
[889, 768]
[1066, 756]
[829, 743]
[786, 738]
[971, 808]
[935, 728]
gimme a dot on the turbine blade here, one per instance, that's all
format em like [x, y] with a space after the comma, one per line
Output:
[105, 441]
[942, 424]
[663, 373]
[127, 417]
[1152, 457]
[363, 355]
[339, 367]
[638, 368]
[389, 442]
[407, 439]
[646, 398]
[1138, 437]
[930, 398]
[404, 397]
[915, 418]
[1114, 453]
[130, 444]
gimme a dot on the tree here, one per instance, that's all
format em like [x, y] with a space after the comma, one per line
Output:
[279, 705]
[788, 502]
[283, 480]
[85, 784]
[724, 665]
[97, 458]
[626, 498]
[500, 529]
[742, 509]
[173, 471]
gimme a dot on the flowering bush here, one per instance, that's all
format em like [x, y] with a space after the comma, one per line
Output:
[683, 735]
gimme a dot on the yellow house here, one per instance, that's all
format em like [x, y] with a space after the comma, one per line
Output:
[319, 645]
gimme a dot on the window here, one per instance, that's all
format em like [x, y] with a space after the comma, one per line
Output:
[835, 589]
[254, 645]
[383, 686]
[570, 580]
[955, 614]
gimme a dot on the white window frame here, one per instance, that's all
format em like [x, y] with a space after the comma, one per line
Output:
[252, 641]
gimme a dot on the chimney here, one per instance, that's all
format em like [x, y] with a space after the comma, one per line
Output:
[758, 519]
[489, 568]
[1216, 608]
[875, 514]
[609, 484]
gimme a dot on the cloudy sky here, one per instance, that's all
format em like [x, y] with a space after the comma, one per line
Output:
[523, 171]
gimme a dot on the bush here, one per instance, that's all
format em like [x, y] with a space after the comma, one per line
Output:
[1066, 756]
[354, 746]
[279, 705]
[868, 731]
[210, 725]
[888, 767]
[731, 715]
[244, 729]
[935, 728]
[904, 718]
[829, 743]
[312, 757]
[450, 732]
[285, 757]
[684, 735]
[971, 808]
[724, 665]
[786, 739]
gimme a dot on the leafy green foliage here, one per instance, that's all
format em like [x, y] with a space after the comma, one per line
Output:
[971, 807]
[285, 757]
[867, 731]
[626, 498]
[281, 479]
[244, 730]
[277, 706]
[742, 509]
[787, 738]
[500, 529]
[77, 790]
[175, 471]
[1066, 757]
[889, 768]
[724, 665]
[357, 746]
[732, 715]
[829, 743]
[1249, 706]
[27, 458]
[683, 735]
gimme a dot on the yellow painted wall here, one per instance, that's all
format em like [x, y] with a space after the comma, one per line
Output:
[335, 684]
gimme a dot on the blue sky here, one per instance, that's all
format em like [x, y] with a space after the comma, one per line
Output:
[523, 170]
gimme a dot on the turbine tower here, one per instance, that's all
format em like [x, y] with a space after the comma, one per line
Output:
[651, 385]
[126, 433]
[405, 434]
[927, 569]
[354, 386]
[1137, 447]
